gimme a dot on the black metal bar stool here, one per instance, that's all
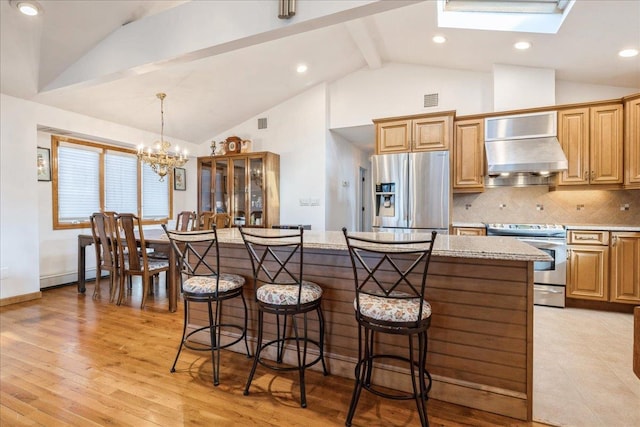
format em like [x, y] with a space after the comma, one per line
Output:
[390, 275]
[201, 281]
[280, 290]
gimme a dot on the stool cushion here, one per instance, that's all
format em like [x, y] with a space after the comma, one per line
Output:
[392, 309]
[154, 264]
[207, 284]
[288, 294]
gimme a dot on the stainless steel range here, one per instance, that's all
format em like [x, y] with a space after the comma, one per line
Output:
[549, 277]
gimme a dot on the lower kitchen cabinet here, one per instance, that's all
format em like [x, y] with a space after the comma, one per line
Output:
[625, 267]
[588, 265]
[469, 231]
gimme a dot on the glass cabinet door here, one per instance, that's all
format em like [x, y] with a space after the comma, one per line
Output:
[221, 190]
[239, 191]
[205, 186]
[256, 176]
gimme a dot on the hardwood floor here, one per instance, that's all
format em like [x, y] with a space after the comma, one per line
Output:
[68, 359]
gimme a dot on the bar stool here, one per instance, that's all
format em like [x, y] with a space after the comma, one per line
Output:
[390, 276]
[201, 281]
[280, 290]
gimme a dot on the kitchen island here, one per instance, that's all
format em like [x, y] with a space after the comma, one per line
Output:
[481, 337]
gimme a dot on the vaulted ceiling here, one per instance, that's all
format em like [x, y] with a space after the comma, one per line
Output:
[222, 62]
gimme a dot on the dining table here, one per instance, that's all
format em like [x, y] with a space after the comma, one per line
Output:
[154, 239]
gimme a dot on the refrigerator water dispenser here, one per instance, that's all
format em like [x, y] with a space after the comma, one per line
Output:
[386, 199]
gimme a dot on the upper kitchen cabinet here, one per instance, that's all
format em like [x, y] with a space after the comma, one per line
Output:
[591, 138]
[430, 132]
[245, 186]
[468, 156]
[632, 142]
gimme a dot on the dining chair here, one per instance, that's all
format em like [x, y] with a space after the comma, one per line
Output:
[204, 220]
[185, 221]
[202, 281]
[281, 291]
[390, 277]
[103, 228]
[134, 259]
[221, 220]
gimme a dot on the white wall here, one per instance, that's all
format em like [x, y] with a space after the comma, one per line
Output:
[296, 131]
[344, 161]
[573, 93]
[516, 87]
[399, 89]
[19, 249]
[34, 253]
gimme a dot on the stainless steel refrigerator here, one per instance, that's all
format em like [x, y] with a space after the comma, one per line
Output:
[411, 191]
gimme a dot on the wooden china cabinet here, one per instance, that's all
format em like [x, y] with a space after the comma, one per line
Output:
[246, 186]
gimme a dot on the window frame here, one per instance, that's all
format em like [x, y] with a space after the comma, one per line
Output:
[55, 143]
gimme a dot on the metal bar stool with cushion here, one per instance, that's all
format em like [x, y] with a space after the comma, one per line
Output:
[134, 258]
[280, 290]
[103, 228]
[202, 281]
[390, 275]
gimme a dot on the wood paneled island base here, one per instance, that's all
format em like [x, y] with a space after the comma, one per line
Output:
[481, 337]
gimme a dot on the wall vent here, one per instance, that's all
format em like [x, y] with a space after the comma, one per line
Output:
[431, 100]
[262, 123]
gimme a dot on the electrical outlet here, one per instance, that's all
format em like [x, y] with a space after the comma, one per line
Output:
[4, 272]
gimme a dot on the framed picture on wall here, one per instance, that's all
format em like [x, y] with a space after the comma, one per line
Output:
[44, 164]
[180, 179]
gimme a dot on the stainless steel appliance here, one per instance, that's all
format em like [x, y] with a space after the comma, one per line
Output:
[549, 277]
[411, 191]
[523, 145]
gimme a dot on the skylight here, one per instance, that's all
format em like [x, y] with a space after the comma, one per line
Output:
[531, 16]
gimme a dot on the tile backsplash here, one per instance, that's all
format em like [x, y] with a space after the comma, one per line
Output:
[539, 205]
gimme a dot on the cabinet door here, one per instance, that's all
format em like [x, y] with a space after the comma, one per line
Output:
[468, 156]
[205, 185]
[220, 190]
[239, 190]
[625, 267]
[469, 231]
[587, 275]
[393, 136]
[606, 145]
[573, 134]
[632, 143]
[431, 133]
[256, 193]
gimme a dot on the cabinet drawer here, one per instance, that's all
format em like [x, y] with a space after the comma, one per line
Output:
[584, 237]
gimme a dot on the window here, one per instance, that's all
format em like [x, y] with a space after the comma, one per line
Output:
[89, 177]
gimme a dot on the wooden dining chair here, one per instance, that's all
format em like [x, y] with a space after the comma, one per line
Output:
[134, 259]
[204, 220]
[186, 221]
[221, 220]
[103, 228]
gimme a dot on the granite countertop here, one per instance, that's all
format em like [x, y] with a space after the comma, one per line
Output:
[469, 224]
[483, 247]
[635, 228]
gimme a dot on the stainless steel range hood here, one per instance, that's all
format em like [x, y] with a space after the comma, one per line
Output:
[524, 143]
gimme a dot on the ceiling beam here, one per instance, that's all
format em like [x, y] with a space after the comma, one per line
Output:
[362, 38]
[196, 30]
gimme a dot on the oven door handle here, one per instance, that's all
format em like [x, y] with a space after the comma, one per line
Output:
[547, 290]
[543, 243]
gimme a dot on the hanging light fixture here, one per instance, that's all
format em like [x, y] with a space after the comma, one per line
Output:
[162, 161]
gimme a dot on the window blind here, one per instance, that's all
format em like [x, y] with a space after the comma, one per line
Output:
[155, 195]
[78, 184]
[121, 182]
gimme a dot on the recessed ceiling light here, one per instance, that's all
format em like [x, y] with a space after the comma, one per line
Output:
[29, 8]
[439, 39]
[302, 68]
[628, 53]
[522, 45]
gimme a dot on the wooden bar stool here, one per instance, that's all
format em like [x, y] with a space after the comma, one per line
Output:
[390, 276]
[280, 290]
